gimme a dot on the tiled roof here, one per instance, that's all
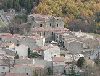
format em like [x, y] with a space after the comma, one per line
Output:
[15, 74]
[6, 35]
[58, 30]
[48, 47]
[59, 59]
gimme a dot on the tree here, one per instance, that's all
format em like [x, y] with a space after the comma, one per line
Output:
[80, 62]
[49, 71]
[16, 56]
[72, 9]
[18, 4]
[34, 55]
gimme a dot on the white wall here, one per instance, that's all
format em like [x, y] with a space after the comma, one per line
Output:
[40, 42]
[4, 69]
[22, 50]
[51, 52]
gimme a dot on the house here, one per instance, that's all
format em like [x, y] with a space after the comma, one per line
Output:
[31, 66]
[7, 37]
[33, 41]
[22, 50]
[40, 67]
[58, 60]
[47, 21]
[22, 69]
[45, 25]
[9, 53]
[73, 46]
[50, 51]
[58, 65]
[4, 66]
[40, 41]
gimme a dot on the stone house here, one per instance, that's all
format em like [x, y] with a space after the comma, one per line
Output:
[58, 65]
[45, 25]
[22, 69]
[45, 21]
[4, 66]
[22, 50]
[50, 51]
[73, 46]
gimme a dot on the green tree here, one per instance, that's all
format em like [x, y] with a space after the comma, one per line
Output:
[80, 62]
[34, 55]
[16, 5]
[16, 56]
[49, 71]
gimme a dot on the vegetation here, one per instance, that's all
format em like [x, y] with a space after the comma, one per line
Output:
[16, 56]
[80, 62]
[2, 24]
[49, 71]
[15, 25]
[21, 18]
[34, 55]
[78, 14]
[18, 4]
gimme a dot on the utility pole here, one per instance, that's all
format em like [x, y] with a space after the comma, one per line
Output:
[52, 65]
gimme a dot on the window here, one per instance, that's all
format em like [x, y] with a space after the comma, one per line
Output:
[52, 33]
[40, 33]
[44, 33]
[26, 73]
[38, 51]
[57, 25]
[40, 25]
[0, 38]
[3, 67]
[54, 55]
[50, 24]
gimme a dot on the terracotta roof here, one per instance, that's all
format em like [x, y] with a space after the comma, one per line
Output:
[38, 66]
[5, 44]
[48, 47]
[59, 59]
[15, 74]
[6, 35]
[41, 29]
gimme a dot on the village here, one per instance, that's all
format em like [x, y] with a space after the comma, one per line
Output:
[47, 49]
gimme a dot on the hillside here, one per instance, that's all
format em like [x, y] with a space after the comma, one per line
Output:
[18, 4]
[74, 12]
